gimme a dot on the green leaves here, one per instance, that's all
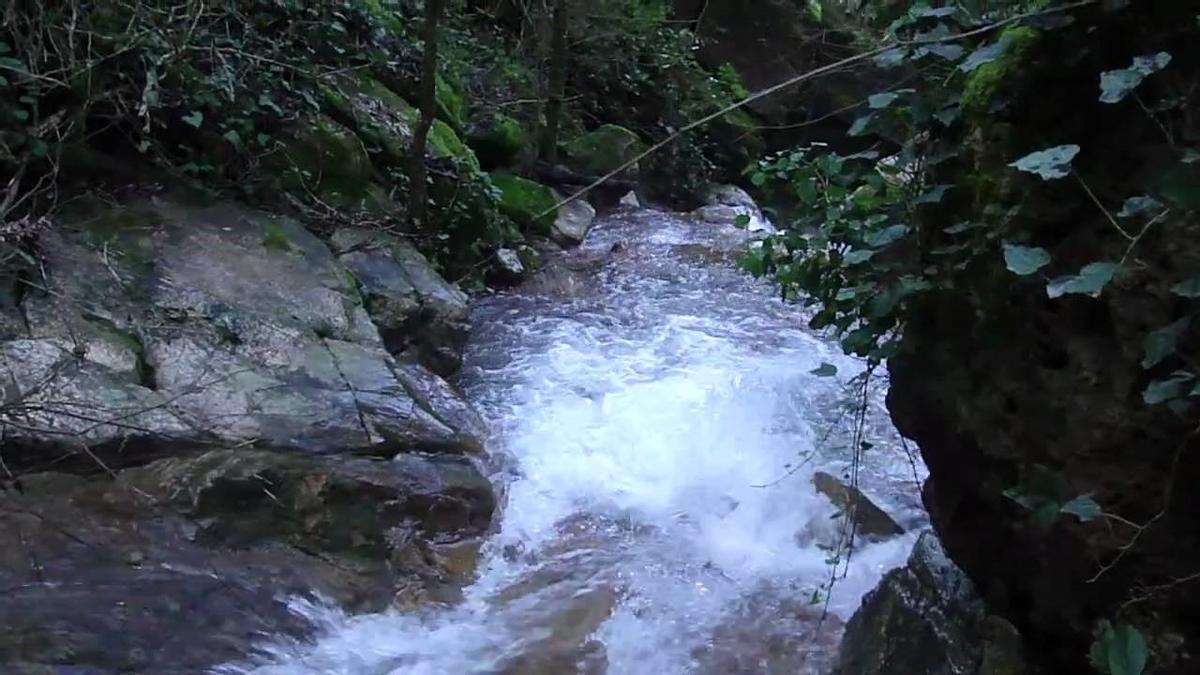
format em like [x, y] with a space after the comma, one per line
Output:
[1138, 206]
[1090, 281]
[1082, 507]
[1024, 260]
[878, 101]
[1046, 494]
[1160, 344]
[1050, 164]
[1115, 85]
[985, 54]
[1162, 391]
[1119, 650]
[194, 119]
[1187, 289]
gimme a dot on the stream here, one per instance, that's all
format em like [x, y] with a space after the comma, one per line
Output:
[656, 426]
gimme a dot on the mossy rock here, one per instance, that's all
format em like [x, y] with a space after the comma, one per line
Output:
[445, 143]
[328, 160]
[603, 150]
[525, 201]
[385, 122]
[499, 142]
[451, 106]
[986, 81]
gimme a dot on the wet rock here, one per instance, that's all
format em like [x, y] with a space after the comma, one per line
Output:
[726, 203]
[187, 562]
[573, 222]
[870, 520]
[415, 309]
[630, 200]
[926, 619]
[507, 267]
[165, 324]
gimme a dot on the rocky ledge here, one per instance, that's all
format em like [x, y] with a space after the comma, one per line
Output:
[208, 409]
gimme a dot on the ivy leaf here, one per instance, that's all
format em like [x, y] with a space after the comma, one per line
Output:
[860, 125]
[1119, 651]
[948, 52]
[886, 236]
[1190, 156]
[195, 119]
[1187, 289]
[985, 54]
[1115, 85]
[234, 138]
[1050, 163]
[825, 370]
[742, 220]
[891, 58]
[1165, 390]
[878, 101]
[965, 226]
[1090, 281]
[1161, 344]
[1025, 260]
[1136, 206]
[1082, 507]
[857, 256]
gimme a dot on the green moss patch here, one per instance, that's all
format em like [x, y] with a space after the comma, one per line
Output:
[499, 142]
[525, 201]
[601, 151]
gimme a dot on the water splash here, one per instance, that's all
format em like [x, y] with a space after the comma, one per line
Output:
[662, 422]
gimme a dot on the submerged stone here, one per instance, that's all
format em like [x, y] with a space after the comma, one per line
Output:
[869, 520]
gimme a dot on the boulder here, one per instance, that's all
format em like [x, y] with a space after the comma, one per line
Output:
[160, 325]
[385, 121]
[328, 160]
[498, 141]
[926, 618]
[417, 311]
[869, 520]
[530, 204]
[573, 222]
[507, 267]
[726, 203]
[603, 150]
[186, 563]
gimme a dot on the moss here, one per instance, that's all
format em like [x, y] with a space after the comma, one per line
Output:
[445, 143]
[524, 201]
[275, 239]
[603, 150]
[500, 142]
[385, 12]
[986, 81]
[328, 159]
[451, 107]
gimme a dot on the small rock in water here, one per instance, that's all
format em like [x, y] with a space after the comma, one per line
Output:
[631, 200]
[508, 268]
[926, 618]
[869, 519]
[573, 222]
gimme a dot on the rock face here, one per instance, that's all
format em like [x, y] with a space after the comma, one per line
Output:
[603, 150]
[236, 414]
[727, 203]
[187, 562]
[999, 384]
[869, 520]
[163, 324]
[926, 619]
[417, 312]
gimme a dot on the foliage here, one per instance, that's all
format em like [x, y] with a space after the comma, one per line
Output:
[1119, 650]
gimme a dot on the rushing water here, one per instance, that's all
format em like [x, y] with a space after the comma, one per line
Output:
[655, 429]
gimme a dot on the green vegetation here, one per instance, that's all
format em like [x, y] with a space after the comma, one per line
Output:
[311, 108]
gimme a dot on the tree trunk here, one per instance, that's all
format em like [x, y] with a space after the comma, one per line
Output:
[556, 90]
[418, 191]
